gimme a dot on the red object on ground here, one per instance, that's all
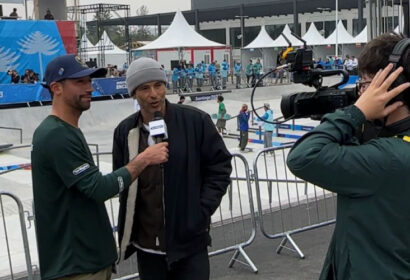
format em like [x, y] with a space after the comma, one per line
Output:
[67, 33]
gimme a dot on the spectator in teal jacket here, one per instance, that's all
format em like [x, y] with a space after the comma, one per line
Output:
[267, 127]
[238, 73]
[212, 74]
[199, 75]
[175, 78]
[257, 68]
[224, 73]
[249, 72]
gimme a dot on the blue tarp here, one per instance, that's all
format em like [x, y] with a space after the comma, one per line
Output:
[22, 93]
[28, 45]
[352, 80]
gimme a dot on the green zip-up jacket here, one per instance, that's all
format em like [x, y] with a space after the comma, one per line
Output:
[371, 240]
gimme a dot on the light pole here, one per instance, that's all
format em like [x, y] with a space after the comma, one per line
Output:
[337, 32]
[242, 19]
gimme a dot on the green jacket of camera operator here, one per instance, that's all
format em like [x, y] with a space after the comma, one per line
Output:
[371, 239]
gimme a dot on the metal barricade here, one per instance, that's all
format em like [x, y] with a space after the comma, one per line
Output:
[23, 234]
[287, 204]
[20, 130]
[233, 226]
[235, 218]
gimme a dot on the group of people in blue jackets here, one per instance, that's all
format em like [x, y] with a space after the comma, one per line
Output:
[329, 63]
[184, 74]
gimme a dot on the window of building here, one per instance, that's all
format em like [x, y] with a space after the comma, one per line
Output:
[217, 35]
[250, 34]
[356, 27]
[274, 30]
[387, 22]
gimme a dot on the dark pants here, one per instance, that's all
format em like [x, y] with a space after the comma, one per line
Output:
[243, 140]
[249, 77]
[155, 267]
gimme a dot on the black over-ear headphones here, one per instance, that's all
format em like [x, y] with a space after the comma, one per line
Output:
[396, 58]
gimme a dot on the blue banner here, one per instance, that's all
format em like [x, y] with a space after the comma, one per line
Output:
[110, 86]
[28, 44]
[23, 93]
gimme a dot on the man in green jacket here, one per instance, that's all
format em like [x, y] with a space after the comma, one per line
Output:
[371, 238]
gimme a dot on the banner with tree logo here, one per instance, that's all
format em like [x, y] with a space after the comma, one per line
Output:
[28, 45]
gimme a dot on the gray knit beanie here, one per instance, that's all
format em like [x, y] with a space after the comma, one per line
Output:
[144, 70]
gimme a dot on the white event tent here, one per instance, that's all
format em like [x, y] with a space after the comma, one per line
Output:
[361, 38]
[113, 55]
[261, 47]
[281, 41]
[343, 37]
[357, 45]
[85, 43]
[263, 40]
[315, 41]
[181, 42]
[313, 37]
[267, 48]
[346, 44]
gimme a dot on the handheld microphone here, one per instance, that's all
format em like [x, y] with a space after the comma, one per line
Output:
[158, 128]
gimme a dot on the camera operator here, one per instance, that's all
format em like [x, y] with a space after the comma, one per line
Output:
[29, 77]
[371, 238]
[14, 76]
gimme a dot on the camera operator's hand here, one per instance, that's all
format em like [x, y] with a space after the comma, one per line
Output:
[373, 101]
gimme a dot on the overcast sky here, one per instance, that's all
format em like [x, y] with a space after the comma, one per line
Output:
[154, 6]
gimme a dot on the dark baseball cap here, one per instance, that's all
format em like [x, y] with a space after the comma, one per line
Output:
[70, 67]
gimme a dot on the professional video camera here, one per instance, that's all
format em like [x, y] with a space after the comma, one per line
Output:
[325, 99]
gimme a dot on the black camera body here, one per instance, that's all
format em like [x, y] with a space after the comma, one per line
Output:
[324, 99]
[316, 104]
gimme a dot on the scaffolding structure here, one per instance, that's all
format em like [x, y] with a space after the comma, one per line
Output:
[80, 14]
[385, 15]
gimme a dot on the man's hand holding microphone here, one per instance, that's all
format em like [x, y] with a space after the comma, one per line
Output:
[154, 154]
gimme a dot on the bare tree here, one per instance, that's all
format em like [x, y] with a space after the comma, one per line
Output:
[143, 32]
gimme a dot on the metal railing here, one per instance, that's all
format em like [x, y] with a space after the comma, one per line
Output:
[237, 213]
[286, 204]
[14, 128]
[233, 226]
[23, 234]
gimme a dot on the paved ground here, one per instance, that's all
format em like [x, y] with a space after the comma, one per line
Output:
[279, 267]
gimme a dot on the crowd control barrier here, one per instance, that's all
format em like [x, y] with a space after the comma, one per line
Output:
[286, 204]
[7, 235]
[233, 225]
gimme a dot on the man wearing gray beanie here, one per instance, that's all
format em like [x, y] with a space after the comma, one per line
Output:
[165, 214]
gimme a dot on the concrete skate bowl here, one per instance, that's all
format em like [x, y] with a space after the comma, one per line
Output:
[102, 115]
